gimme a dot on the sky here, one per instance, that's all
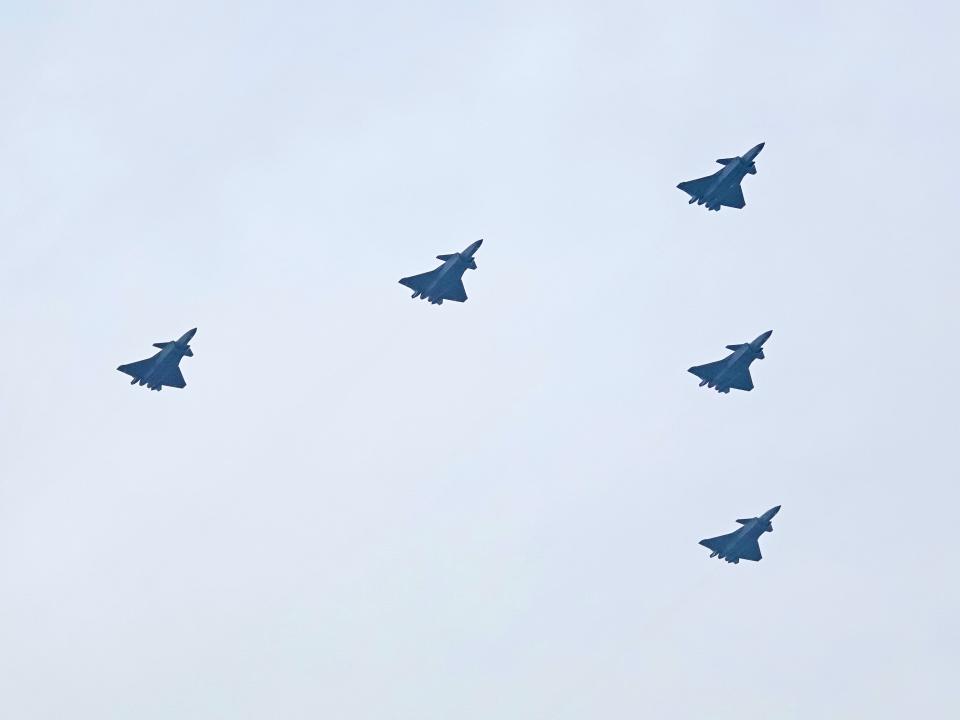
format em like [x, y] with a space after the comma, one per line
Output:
[365, 507]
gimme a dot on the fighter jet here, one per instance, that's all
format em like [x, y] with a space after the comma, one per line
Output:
[722, 189]
[734, 370]
[163, 369]
[446, 282]
[742, 544]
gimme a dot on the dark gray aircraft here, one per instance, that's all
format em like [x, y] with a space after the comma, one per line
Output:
[446, 282]
[164, 367]
[723, 187]
[742, 544]
[734, 370]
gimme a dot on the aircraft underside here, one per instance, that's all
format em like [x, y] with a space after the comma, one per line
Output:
[426, 290]
[713, 198]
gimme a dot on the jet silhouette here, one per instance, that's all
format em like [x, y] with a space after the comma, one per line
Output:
[446, 282]
[734, 370]
[163, 369]
[742, 544]
[722, 189]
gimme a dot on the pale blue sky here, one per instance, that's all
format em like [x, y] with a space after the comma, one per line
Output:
[363, 507]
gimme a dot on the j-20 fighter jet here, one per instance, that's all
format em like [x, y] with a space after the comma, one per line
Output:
[446, 282]
[163, 369]
[722, 189]
[742, 544]
[734, 370]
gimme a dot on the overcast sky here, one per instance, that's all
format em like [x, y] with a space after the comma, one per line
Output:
[364, 507]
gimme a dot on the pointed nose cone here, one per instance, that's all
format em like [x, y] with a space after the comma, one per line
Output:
[761, 339]
[188, 336]
[473, 247]
[752, 153]
[772, 512]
